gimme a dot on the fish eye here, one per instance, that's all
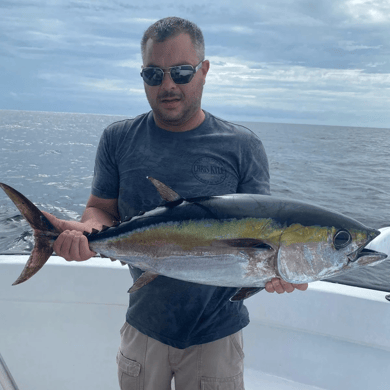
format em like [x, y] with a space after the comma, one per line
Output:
[341, 239]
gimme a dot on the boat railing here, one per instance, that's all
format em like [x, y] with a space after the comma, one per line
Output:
[6, 380]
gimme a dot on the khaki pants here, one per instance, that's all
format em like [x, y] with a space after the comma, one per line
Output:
[147, 364]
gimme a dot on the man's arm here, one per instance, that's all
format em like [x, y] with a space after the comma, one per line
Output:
[71, 244]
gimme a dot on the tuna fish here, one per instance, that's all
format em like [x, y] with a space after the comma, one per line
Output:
[237, 240]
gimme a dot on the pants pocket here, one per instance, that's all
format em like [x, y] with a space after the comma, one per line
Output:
[128, 372]
[124, 326]
[238, 342]
[232, 383]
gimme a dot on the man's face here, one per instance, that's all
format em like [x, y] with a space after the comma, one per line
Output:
[174, 104]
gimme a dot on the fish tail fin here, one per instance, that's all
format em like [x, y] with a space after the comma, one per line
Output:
[44, 233]
[39, 255]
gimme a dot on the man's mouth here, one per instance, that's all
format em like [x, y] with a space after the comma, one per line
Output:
[170, 100]
[170, 103]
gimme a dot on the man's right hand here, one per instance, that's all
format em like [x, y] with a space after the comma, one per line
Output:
[71, 244]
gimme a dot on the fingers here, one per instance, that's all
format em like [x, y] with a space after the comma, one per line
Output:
[73, 245]
[280, 286]
[302, 287]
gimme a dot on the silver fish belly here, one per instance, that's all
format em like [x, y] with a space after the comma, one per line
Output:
[238, 240]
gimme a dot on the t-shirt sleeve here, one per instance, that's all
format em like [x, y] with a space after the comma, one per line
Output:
[254, 172]
[105, 183]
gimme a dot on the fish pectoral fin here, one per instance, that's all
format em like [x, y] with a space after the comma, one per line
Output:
[244, 293]
[143, 280]
[247, 243]
[165, 192]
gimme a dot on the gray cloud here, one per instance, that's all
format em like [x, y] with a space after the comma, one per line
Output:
[281, 60]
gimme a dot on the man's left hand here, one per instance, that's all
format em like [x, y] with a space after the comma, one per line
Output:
[281, 286]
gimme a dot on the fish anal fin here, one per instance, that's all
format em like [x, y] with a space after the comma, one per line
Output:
[165, 192]
[143, 280]
[245, 293]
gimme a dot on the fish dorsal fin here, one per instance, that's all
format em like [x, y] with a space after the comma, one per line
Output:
[143, 280]
[165, 192]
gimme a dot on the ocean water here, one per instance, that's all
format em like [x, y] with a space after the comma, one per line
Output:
[49, 157]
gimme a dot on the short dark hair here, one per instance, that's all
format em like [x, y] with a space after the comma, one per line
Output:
[170, 27]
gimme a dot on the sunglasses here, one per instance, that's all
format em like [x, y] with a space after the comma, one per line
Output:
[181, 74]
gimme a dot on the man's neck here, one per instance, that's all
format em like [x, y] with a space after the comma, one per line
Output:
[191, 124]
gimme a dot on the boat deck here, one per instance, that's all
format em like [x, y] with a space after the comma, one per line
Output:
[60, 330]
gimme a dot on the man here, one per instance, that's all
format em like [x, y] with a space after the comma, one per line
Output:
[173, 327]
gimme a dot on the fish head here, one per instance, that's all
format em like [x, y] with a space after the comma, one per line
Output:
[310, 253]
[364, 256]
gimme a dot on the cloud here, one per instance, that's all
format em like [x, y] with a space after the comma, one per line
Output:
[288, 88]
[110, 85]
[131, 63]
[352, 45]
[322, 61]
[235, 29]
[369, 11]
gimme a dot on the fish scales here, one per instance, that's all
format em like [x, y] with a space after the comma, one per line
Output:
[183, 243]
[236, 240]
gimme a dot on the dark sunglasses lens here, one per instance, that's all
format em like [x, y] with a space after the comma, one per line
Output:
[152, 76]
[182, 74]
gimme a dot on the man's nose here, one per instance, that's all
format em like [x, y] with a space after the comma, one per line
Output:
[167, 81]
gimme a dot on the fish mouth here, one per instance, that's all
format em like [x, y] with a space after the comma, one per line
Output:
[365, 254]
[369, 255]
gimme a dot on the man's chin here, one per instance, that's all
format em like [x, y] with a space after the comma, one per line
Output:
[176, 118]
[170, 117]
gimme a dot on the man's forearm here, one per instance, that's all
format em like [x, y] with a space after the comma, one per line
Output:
[96, 218]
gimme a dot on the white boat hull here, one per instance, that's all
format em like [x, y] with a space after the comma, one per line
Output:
[60, 330]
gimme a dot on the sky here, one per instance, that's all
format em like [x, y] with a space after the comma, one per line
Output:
[282, 61]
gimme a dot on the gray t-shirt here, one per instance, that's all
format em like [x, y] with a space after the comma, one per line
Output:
[216, 158]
